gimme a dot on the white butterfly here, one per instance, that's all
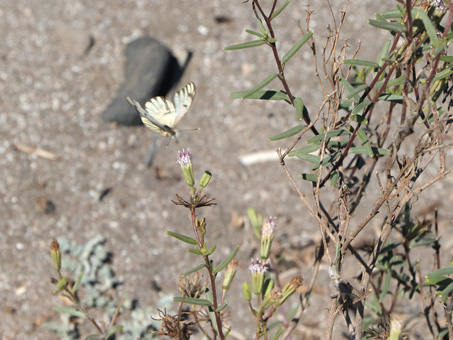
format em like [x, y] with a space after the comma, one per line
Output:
[161, 115]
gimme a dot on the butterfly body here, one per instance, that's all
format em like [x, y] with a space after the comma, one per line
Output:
[161, 114]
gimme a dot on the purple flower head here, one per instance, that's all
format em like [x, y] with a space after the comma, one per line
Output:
[258, 267]
[184, 158]
[269, 227]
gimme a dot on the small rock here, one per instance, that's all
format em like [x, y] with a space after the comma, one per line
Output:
[150, 71]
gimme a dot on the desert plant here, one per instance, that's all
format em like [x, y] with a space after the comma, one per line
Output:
[392, 113]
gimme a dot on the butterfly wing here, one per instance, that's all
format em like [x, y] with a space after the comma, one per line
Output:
[161, 115]
[183, 99]
[158, 117]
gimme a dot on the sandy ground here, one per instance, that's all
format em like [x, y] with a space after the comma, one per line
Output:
[52, 95]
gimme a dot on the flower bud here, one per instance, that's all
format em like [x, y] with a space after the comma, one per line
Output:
[205, 179]
[290, 288]
[267, 236]
[185, 160]
[229, 274]
[247, 291]
[56, 255]
[258, 269]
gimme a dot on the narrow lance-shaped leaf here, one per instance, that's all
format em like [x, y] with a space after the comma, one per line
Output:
[356, 91]
[304, 150]
[364, 150]
[334, 176]
[299, 105]
[330, 134]
[193, 301]
[365, 142]
[193, 270]
[439, 272]
[349, 88]
[183, 238]
[361, 106]
[254, 33]
[112, 330]
[226, 261]
[429, 27]
[278, 333]
[384, 52]
[445, 293]
[389, 26]
[280, 9]
[258, 87]
[310, 158]
[77, 283]
[359, 62]
[69, 310]
[288, 55]
[443, 74]
[262, 94]
[288, 133]
[248, 44]
[195, 251]
[309, 177]
[261, 26]
[221, 307]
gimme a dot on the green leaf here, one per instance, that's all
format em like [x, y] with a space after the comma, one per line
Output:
[77, 283]
[359, 150]
[226, 261]
[385, 287]
[280, 9]
[248, 44]
[446, 58]
[210, 251]
[193, 301]
[258, 87]
[389, 26]
[348, 87]
[356, 91]
[309, 177]
[288, 55]
[69, 310]
[278, 333]
[262, 94]
[310, 158]
[359, 62]
[330, 134]
[261, 26]
[384, 53]
[429, 27]
[334, 176]
[443, 74]
[222, 307]
[195, 251]
[360, 107]
[288, 133]
[329, 159]
[443, 271]
[365, 142]
[193, 270]
[396, 98]
[255, 33]
[446, 292]
[393, 14]
[299, 105]
[183, 238]
[358, 119]
[112, 330]
[304, 150]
